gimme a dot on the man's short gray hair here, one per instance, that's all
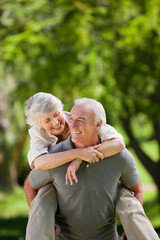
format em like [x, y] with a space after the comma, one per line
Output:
[40, 103]
[97, 107]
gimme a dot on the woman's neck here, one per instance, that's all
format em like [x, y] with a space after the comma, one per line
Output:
[65, 134]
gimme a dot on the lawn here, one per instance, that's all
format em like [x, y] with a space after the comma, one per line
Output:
[13, 215]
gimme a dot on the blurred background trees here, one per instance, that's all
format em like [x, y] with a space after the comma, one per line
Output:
[107, 50]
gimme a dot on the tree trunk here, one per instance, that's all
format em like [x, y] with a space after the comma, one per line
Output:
[152, 167]
[5, 180]
[17, 151]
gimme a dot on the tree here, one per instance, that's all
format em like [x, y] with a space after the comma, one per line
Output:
[106, 50]
[137, 75]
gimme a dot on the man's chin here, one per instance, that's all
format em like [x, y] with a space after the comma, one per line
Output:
[77, 143]
[75, 139]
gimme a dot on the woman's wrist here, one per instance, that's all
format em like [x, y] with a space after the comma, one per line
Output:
[77, 153]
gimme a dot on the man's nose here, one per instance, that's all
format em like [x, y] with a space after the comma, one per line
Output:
[74, 124]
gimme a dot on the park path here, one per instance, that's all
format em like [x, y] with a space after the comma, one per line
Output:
[149, 187]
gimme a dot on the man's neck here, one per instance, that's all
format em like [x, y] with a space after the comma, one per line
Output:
[91, 143]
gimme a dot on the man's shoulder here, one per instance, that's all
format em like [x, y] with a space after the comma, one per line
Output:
[62, 146]
[125, 152]
[123, 155]
[125, 158]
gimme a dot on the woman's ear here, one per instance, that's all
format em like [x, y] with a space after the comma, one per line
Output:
[99, 124]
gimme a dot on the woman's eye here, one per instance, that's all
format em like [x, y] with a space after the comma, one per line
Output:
[47, 121]
[56, 114]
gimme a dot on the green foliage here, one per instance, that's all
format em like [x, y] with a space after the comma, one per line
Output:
[108, 50]
[152, 208]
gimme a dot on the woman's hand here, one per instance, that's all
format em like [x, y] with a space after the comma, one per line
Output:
[57, 230]
[71, 171]
[90, 154]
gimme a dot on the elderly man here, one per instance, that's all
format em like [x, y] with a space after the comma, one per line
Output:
[87, 209]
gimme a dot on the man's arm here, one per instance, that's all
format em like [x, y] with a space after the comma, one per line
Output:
[29, 191]
[138, 192]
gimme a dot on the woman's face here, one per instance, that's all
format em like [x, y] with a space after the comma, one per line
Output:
[54, 122]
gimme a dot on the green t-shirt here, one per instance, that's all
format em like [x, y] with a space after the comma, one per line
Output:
[86, 209]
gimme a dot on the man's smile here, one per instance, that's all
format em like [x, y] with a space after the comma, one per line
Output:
[76, 132]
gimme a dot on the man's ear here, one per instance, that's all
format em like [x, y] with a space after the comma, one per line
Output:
[99, 124]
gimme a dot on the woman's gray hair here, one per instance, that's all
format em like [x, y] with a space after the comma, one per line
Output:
[40, 103]
[97, 107]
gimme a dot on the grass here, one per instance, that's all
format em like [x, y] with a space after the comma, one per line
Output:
[13, 215]
[13, 204]
[13, 228]
[14, 212]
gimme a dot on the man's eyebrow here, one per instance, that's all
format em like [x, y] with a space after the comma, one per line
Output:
[81, 118]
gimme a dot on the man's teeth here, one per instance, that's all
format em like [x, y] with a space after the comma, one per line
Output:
[76, 132]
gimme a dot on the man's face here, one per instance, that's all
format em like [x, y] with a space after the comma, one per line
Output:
[54, 122]
[84, 131]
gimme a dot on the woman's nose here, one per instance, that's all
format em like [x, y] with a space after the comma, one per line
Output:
[54, 121]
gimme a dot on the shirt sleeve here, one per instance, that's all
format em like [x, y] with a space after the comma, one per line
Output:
[39, 143]
[39, 178]
[108, 132]
[130, 175]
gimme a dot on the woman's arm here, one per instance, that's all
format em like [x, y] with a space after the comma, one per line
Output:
[53, 160]
[89, 154]
[111, 147]
[107, 148]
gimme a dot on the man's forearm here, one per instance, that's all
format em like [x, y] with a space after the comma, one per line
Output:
[29, 191]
